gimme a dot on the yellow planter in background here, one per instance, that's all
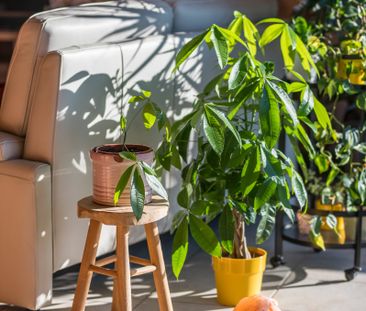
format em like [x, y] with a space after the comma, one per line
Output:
[239, 278]
[353, 78]
[340, 220]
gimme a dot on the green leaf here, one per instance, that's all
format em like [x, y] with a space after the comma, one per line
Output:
[270, 34]
[286, 100]
[215, 136]
[226, 229]
[189, 48]
[331, 221]
[156, 186]
[322, 163]
[210, 86]
[204, 236]
[122, 183]
[332, 175]
[220, 115]
[303, 137]
[180, 247]
[177, 219]
[238, 72]
[149, 115]
[322, 115]
[296, 87]
[266, 223]
[123, 123]
[147, 94]
[182, 141]
[137, 194]
[288, 47]
[317, 240]
[220, 45]
[305, 57]
[264, 193]
[147, 168]
[271, 20]
[184, 196]
[361, 101]
[251, 171]
[307, 101]
[299, 189]
[251, 34]
[127, 155]
[136, 99]
[269, 117]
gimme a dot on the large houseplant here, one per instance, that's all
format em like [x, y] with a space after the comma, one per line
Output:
[238, 173]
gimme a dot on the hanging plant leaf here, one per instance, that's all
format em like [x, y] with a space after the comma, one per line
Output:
[137, 194]
[122, 183]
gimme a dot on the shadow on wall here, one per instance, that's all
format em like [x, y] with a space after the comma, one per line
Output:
[88, 114]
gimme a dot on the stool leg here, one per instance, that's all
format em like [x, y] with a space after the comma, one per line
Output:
[122, 291]
[84, 279]
[157, 259]
[115, 301]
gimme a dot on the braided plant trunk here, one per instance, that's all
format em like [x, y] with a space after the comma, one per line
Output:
[240, 242]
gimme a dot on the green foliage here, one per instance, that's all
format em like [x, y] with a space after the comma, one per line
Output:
[236, 123]
[135, 174]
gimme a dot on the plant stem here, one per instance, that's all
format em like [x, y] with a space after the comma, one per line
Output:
[240, 242]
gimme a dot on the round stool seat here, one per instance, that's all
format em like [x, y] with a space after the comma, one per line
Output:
[122, 215]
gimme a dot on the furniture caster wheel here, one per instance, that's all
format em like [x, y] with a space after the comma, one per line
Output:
[277, 261]
[351, 273]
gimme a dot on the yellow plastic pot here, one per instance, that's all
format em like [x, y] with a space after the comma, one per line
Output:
[356, 77]
[239, 278]
[340, 220]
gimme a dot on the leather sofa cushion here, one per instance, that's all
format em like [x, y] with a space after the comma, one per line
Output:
[197, 15]
[11, 146]
[25, 233]
[73, 26]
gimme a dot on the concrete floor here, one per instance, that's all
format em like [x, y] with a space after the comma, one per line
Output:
[308, 282]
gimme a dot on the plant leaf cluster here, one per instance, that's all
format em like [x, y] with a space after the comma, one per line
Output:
[235, 126]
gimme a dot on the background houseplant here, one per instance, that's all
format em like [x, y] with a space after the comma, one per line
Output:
[335, 32]
[238, 173]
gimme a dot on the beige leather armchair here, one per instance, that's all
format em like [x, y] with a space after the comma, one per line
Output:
[62, 97]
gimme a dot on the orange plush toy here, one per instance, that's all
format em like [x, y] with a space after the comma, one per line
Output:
[257, 303]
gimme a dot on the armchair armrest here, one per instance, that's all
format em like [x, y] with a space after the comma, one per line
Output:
[11, 146]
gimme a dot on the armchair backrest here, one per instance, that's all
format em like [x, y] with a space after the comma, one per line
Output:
[44, 32]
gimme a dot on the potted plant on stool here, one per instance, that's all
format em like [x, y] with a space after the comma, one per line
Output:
[122, 173]
[238, 173]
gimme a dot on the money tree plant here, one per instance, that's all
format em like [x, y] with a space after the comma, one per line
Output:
[237, 172]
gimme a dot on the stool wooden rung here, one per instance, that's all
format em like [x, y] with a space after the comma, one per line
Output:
[99, 266]
[111, 259]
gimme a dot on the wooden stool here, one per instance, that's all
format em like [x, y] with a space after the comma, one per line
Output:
[122, 217]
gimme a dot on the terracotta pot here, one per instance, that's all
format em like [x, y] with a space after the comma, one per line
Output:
[303, 222]
[108, 167]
